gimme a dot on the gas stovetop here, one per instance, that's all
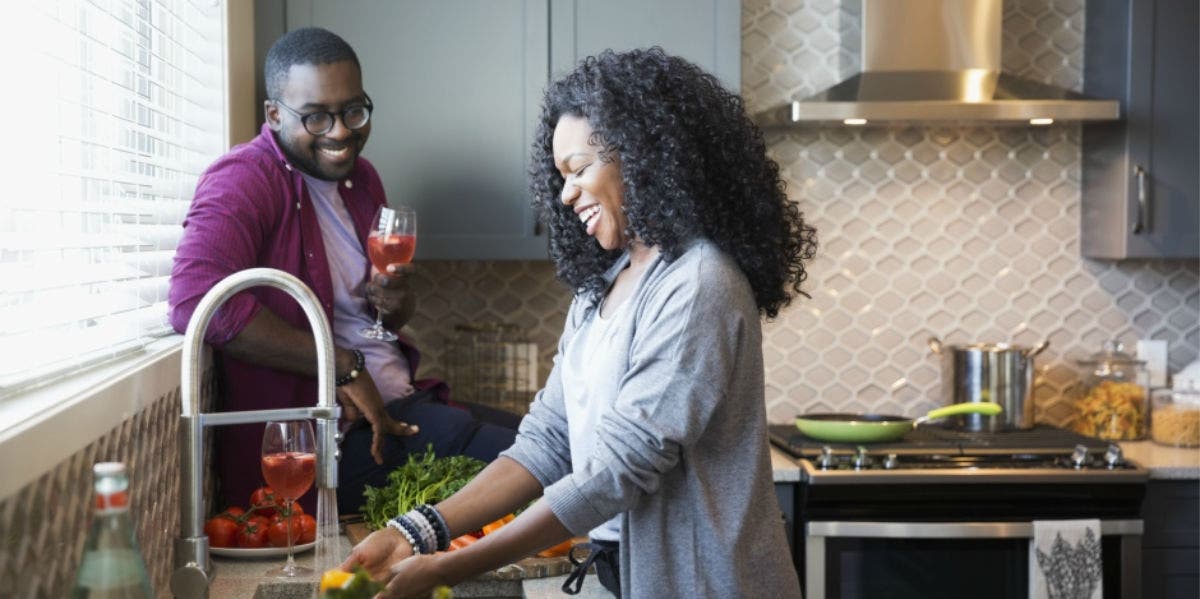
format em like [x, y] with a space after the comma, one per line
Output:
[932, 454]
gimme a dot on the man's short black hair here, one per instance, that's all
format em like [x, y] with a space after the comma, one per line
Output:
[308, 45]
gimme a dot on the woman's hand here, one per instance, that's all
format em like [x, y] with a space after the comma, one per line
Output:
[415, 578]
[378, 552]
[391, 294]
[363, 396]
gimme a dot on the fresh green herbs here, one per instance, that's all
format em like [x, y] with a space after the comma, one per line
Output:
[425, 478]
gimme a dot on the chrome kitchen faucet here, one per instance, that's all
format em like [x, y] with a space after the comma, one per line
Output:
[193, 570]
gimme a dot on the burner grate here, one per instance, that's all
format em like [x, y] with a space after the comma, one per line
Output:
[938, 440]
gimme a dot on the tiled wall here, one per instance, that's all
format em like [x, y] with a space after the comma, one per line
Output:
[967, 233]
[525, 294]
[43, 526]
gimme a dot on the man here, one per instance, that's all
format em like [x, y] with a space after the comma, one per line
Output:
[299, 198]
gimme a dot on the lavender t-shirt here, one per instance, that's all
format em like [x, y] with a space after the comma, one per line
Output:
[347, 268]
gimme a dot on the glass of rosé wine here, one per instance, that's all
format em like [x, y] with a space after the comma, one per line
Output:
[392, 241]
[289, 465]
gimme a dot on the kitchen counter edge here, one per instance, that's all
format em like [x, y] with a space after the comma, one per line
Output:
[784, 469]
[1163, 462]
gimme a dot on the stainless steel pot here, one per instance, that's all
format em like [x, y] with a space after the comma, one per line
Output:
[996, 372]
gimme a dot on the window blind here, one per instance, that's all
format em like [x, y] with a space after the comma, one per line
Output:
[122, 107]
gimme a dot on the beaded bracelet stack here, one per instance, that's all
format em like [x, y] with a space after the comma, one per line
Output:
[424, 529]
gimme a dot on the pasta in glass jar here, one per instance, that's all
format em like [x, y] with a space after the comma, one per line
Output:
[1113, 402]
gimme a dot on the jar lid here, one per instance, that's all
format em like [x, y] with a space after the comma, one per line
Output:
[1188, 379]
[1110, 358]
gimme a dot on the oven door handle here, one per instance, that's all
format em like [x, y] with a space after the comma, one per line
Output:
[949, 530]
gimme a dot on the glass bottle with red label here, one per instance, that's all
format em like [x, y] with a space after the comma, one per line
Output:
[112, 566]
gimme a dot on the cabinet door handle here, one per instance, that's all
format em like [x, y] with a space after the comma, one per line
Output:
[1142, 223]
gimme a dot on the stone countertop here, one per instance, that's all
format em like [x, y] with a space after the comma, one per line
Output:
[241, 579]
[783, 467]
[1164, 462]
[551, 588]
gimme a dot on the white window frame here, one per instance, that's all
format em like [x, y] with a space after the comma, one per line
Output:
[45, 423]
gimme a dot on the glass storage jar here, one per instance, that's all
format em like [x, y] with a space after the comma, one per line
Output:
[1175, 414]
[1113, 402]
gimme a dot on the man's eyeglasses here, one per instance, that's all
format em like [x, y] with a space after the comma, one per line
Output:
[321, 121]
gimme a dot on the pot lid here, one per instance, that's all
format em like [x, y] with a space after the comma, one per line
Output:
[999, 347]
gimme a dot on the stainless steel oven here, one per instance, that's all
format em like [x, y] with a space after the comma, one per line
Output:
[950, 514]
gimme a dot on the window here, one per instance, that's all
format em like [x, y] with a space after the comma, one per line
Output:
[113, 110]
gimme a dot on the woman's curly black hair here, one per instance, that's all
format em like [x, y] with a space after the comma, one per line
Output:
[692, 165]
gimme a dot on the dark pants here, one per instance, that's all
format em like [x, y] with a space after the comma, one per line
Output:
[472, 430]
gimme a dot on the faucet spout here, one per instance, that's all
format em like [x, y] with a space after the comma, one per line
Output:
[193, 569]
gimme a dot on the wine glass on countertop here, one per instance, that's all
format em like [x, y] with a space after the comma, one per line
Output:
[289, 465]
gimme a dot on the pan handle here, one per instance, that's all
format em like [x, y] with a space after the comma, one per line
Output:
[986, 408]
[1037, 349]
[935, 344]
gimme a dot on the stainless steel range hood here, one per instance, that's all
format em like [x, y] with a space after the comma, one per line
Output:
[936, 60]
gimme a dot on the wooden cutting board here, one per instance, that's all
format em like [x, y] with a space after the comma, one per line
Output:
[530, 567]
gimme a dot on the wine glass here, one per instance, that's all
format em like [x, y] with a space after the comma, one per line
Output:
[289, 465]
[392, 241]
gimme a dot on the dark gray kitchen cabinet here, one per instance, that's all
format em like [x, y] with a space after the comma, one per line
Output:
[1171, 541]
[706, 32]
[1140, 183]
[457, 87]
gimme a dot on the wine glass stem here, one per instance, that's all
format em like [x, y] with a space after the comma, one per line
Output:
[291, 560]
[379, 320]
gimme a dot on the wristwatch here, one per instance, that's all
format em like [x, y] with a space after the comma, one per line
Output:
[359, 363]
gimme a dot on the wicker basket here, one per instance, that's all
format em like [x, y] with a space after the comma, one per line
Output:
[492, 364]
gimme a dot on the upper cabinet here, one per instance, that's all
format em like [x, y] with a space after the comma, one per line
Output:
[1139, 181]
[457, 87]
[706, 32]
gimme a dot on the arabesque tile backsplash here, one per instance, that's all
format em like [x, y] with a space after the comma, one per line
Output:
[970, 233]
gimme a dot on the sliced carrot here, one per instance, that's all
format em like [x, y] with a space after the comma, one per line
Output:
[463, 541]
[493, 526]
[562, 548]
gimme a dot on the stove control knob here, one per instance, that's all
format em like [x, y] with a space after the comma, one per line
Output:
[862, 461]
[891, 461]
[1079, 458]
[1113, 456]
[825, 462]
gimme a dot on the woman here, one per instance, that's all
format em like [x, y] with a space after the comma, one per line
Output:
[671, 223]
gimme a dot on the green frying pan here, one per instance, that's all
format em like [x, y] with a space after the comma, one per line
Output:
[866, 428]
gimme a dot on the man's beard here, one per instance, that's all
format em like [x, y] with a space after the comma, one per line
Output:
[307, 162]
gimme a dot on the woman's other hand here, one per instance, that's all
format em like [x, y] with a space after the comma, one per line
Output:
[414, 578]
[378, 552]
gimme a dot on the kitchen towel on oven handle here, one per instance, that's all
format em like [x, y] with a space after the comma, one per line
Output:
[1065, 560]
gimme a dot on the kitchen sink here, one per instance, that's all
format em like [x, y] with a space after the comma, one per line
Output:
[286, 589]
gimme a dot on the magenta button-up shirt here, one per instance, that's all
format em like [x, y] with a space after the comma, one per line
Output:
[251, 209]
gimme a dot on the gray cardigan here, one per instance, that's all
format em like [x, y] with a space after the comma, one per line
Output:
[683, 451]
